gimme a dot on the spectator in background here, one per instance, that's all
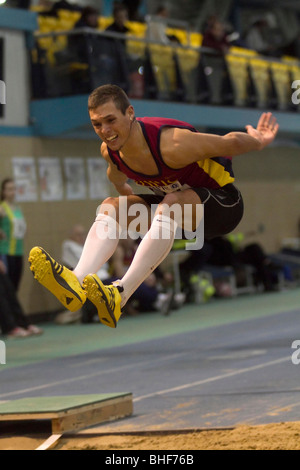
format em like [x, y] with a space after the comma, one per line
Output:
[13, 321]
[104, 57]
[216, 45]
[156, 27]
[293, 48]
[257, 37]
[266, 272]
[117, 46]
[89, 18]
[226, 251]
[133, 10]
[51, 8]
[13, 226]
[215, 36]
[81, 47]
[120, 14]
[65, 5]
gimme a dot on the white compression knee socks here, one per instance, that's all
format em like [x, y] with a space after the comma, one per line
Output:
[152, 250]
[99, 246]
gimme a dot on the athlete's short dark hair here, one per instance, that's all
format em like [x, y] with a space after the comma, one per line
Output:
[105, 93]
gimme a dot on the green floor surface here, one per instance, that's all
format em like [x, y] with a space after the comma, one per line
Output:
[55, 404]
[68, 340]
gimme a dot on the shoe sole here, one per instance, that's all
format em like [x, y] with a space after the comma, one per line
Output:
[43, 269]
[96, 294]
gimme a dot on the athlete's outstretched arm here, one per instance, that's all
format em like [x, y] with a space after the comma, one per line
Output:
[181, 147]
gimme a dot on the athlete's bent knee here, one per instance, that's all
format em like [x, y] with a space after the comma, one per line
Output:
[171, 199]
[110, 206]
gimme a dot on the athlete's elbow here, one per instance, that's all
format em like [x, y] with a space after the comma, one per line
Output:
[124, 189]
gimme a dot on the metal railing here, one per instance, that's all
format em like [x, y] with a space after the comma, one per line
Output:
[173, 71]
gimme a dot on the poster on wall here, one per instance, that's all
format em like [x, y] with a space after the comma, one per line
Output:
[98, 182]
[24, 173]
[75, 178]
[50, 179]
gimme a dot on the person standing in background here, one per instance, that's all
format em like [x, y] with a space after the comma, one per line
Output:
[215, 36]
[133, 7]
[13, 229]
[120, 15]
[13, 321]
[157, 27]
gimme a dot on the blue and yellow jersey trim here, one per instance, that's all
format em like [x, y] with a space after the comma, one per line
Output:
[219, 169]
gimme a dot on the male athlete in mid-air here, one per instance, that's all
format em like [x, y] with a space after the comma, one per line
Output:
[181, 166]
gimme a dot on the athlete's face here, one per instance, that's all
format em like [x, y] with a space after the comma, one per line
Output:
[111, 125]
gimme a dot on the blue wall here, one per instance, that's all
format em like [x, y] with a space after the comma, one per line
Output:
[13, 18]
[69, 117]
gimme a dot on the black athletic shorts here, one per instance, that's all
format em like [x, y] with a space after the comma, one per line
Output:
[223, 208]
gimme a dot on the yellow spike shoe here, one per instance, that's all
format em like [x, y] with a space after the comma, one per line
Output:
[59, 280]
[107, 299]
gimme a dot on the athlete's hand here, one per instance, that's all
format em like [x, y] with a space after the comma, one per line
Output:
[266, 129]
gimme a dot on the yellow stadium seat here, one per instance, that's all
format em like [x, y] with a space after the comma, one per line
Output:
[64, 21]
[239, 75]
[104, 22]
[180, 34]
[137, 29]
[188, 58]
[163, 66]
[135, 49]
[38, 8]
[45, 43]
[70, 17]
[260, 72]
[51, 44]
[241, 51]
[47, 24]
[289, 60]
[64, 25]
[282, 82]
[293, 66]
[295, 72]
[188, 61]
[196, 39]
